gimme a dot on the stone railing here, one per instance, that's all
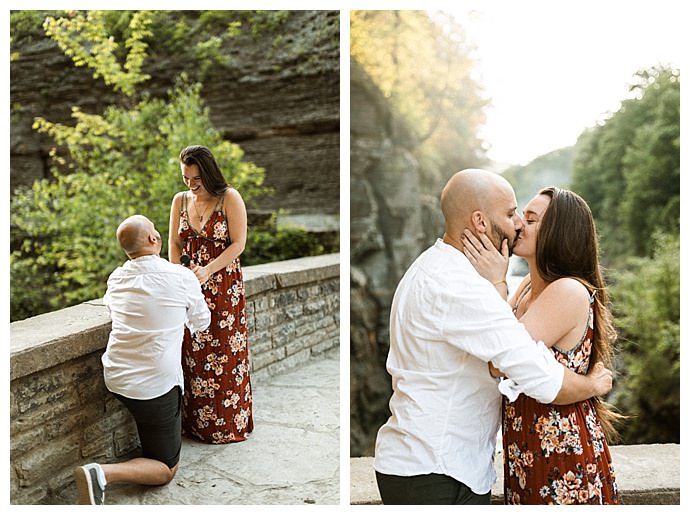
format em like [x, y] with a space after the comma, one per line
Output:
[645, 474]
[61, 414]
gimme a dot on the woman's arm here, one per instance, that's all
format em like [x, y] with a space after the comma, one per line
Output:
[174, 241]
[236, 216]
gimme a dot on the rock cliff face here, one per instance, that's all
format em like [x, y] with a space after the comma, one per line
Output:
[280, 103]
[394, 215]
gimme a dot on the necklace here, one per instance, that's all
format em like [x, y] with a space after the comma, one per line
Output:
[203, 214]
[527, 289]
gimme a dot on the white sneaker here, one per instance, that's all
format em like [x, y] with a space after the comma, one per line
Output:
[88, 486]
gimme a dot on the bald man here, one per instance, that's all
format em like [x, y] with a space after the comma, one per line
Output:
[446, 323]
[150, 302]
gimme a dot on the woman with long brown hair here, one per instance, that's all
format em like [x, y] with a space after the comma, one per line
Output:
[208, 225]
[558, 454]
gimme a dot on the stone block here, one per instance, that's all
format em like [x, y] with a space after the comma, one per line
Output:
[283, 334]
[265, 320]
[305, 327]
[34, 494]
[325, 346]
[46, 397]
[260, 345]
[39, 463]
[125, 439]
[267, 358]
[96, 445]
[257, 281]
[28, 432]
[293, 311]
[280, 366]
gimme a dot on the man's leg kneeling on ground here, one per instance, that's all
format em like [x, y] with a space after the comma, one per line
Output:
[160, 434]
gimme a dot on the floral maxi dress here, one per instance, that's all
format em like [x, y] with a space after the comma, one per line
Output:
[557, 454]
[217, 402]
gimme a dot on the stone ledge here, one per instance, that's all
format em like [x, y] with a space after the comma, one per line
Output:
[63, 335]
[297, 271]
[646, 474]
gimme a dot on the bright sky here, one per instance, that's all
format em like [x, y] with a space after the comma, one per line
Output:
[555, 68]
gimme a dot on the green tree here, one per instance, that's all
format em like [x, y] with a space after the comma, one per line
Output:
[422, 63]
[646, 297]
[651, 165]
[628, 167]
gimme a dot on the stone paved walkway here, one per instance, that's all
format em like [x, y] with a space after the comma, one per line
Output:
[292, 457]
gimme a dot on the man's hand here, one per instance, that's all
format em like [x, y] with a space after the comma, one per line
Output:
[602, 379]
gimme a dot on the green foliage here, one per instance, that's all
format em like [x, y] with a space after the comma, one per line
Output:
[122, 163]
[628, 168]
[86, 38]
[268, 242]
[646, 297]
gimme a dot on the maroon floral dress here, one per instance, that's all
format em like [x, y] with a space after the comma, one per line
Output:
[217, 402]
[557, 454]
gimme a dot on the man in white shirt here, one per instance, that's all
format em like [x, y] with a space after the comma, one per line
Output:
[446, 324]
[150, 301]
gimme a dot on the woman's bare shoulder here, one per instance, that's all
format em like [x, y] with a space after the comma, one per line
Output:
[568, 290]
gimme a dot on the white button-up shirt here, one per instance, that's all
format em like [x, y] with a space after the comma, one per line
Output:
[446, 323]
[150, 301]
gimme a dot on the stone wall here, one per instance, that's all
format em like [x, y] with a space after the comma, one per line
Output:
[280, 103]
[61, 414]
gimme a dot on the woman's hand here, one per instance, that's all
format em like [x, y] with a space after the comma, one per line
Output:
[202, 273]
[491, 264]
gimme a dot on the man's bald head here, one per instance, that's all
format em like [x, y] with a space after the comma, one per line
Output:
[475, 199]
[468, 191]
[138, 236]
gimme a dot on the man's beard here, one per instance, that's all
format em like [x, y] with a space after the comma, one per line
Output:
[498, 235]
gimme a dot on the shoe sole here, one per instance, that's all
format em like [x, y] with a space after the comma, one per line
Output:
[84, 486]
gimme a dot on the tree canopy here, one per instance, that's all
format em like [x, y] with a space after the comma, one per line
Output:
[422, 62]
[628, 167]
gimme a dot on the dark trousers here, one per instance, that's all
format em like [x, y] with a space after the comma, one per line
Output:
[159, 424]
[427, 489]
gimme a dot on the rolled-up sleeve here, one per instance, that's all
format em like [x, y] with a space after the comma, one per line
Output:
[198, 315]
[485, 327]
[536, 373]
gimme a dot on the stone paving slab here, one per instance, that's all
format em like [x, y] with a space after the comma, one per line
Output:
[292, 457]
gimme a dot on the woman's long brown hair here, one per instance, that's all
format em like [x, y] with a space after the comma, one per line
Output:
[211, 176]
[567, 246]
